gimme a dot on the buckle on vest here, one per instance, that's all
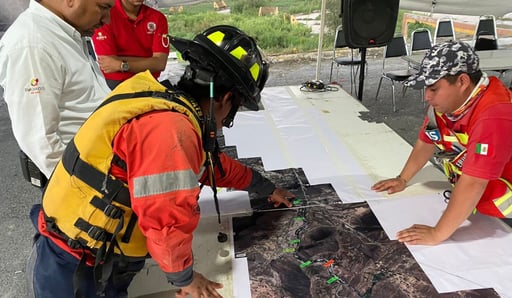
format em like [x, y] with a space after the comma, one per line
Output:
[74, 244]
[112, 211]
[96, 233]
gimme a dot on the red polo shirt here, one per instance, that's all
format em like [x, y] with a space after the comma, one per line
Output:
[489, 123]
[135, 38]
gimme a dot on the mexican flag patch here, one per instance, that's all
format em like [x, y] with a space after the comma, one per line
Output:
[482, 149]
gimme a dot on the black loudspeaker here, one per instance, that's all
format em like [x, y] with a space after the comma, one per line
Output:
[369, 23]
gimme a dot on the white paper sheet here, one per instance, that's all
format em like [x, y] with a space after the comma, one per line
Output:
[287, 134]
[230, 202]
[241, 282]
[476, 256]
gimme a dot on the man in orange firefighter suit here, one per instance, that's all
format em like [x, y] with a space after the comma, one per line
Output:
[468, 123]
[127, 185]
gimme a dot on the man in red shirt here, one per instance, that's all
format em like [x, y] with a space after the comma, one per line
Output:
[135, 40]
[128, 184]
[468, 122]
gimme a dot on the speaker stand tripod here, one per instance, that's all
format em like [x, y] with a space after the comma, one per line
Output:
[361, 74]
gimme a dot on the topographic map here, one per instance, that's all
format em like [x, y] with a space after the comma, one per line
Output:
[323, 248]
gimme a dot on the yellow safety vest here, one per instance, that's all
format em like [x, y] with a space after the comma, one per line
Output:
[82, 200]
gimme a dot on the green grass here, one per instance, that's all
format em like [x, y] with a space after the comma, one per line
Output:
[274, 34]
[295, 7]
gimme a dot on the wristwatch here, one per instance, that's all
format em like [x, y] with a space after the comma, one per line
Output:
[124, 66]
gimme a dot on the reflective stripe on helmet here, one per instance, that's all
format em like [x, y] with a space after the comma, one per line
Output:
[255, 71]
[216, 37]
[239, 53]
[232, 56]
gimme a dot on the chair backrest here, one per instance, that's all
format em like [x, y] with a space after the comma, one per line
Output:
[486, 37]
[444, 28]
[396, 47]
[339, 39]
[486, 26]
[420, 40]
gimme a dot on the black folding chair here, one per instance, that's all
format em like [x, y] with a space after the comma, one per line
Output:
[444, 30]
[396, 48]
[353, 61]
[486, 36]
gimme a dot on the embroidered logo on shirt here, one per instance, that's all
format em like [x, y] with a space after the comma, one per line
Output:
[34, 87]
[165, 40]
[433, 134]
[100, 36]
[482, 149]
[151, 26]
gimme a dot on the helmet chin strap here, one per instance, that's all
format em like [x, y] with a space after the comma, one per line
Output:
[228, 121]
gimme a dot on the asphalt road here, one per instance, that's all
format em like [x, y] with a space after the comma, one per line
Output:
[16, 197]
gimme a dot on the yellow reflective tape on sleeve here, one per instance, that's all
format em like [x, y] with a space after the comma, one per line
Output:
[463, 138]
[450, 139]
[503, 198]
[216, 37]
[504, 203]
[507, 211]
[164, 182]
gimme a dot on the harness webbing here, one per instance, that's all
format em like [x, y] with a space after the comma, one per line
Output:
[193, 107]
[113, 189]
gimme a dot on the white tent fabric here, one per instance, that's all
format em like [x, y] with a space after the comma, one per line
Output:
[461, 7]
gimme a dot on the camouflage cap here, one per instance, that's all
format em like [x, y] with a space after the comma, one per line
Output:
[449, 58]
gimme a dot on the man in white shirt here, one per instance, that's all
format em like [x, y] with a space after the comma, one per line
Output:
[51, 84]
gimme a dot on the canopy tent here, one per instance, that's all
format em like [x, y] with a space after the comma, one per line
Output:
[459, 7]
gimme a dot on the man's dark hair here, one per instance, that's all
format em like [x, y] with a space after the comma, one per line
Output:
[474, 77]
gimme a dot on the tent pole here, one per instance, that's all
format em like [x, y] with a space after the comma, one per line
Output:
[320, 40]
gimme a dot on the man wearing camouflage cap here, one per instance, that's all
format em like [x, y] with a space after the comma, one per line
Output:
[467, 130]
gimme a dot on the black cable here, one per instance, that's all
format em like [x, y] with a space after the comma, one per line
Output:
[317, 86]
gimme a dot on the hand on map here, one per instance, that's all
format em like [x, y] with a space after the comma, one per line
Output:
[200, 287]
[390, 185]
[281, 196]
[419, 234]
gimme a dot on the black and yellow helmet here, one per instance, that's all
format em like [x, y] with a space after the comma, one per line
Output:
[226, 50]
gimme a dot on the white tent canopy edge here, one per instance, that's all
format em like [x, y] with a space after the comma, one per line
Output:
[460, 7]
